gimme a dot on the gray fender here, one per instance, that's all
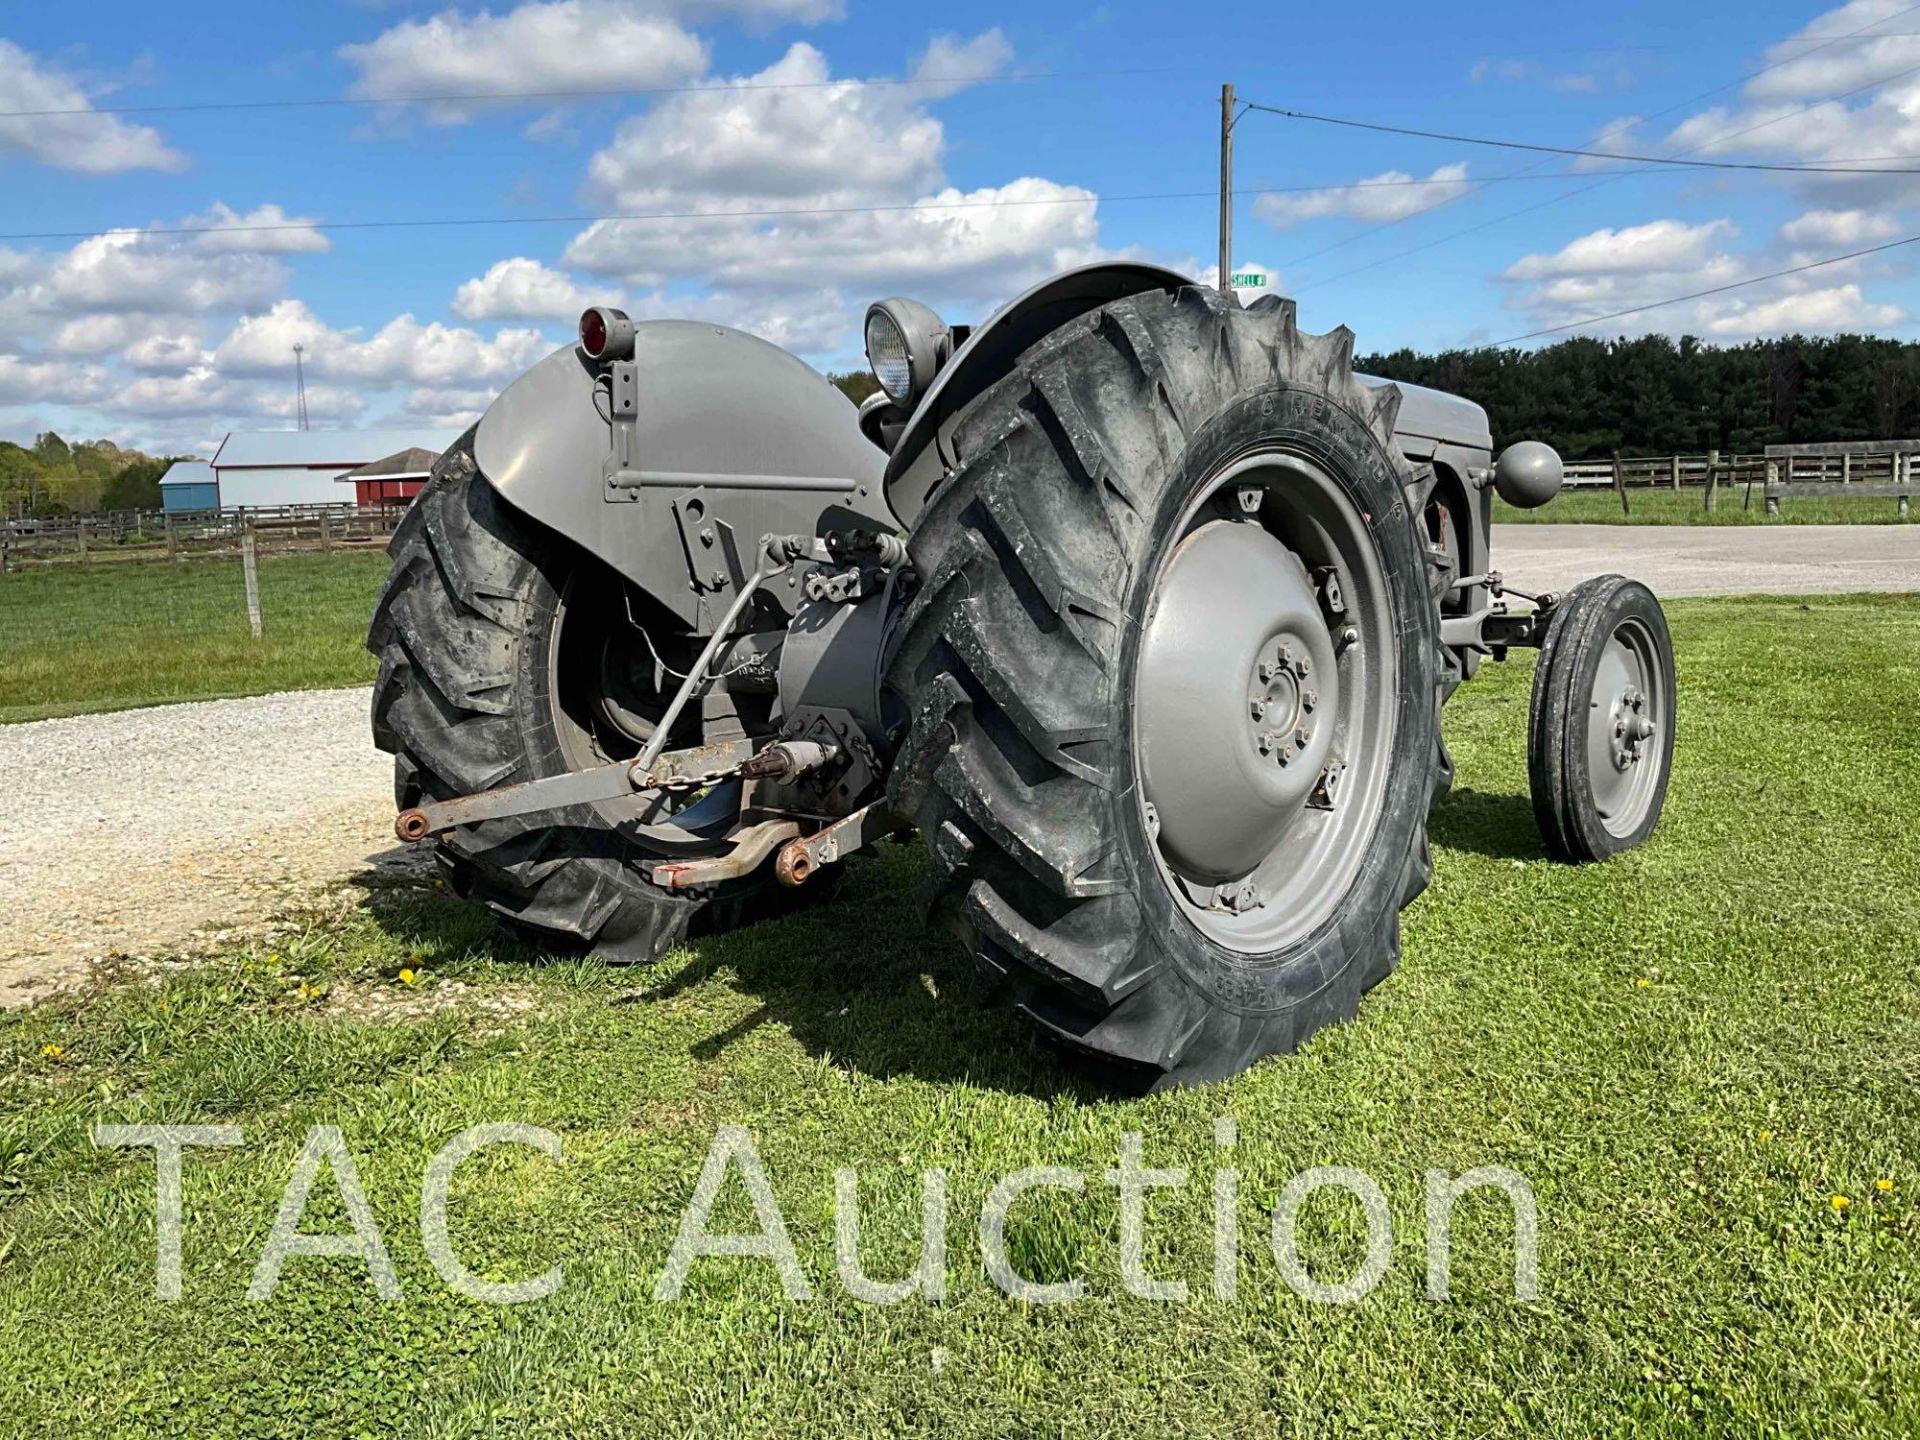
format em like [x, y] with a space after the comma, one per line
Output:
[733, 438]
[915, 466]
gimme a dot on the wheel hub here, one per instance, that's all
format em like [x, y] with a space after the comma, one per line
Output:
[1632, 727]
[1236, 687]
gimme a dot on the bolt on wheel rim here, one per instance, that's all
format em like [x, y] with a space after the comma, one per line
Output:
[1627, 717]
[1264, 696]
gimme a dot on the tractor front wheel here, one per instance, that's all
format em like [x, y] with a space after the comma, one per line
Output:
[1600, 727]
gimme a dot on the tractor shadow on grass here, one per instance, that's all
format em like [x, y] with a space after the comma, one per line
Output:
[861, 982]
[1500, 827]
[857, 980]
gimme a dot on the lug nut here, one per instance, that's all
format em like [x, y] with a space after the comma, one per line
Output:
[1302, 737]
[1309, 699]
[1303, 665]
[1349, 635]
[1286, 754]
[1266, 670]
[1258, 707]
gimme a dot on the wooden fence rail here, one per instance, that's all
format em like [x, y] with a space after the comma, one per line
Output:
[126, 536]
[1869, 469]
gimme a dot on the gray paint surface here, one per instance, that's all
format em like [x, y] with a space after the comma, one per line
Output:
[1677, 560]
[713, 403]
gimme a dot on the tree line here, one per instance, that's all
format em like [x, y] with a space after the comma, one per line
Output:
[53, 478]
[1591, 399]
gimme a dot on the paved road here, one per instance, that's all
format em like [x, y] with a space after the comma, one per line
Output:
[1714, 560]
[150, 830]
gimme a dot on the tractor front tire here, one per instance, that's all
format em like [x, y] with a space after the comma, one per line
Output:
[1142, 520]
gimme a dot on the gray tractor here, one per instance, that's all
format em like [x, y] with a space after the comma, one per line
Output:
[1138, 604]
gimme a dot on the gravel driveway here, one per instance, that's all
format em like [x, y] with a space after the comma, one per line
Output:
[151, 830]
[147, 830]
[1714, 560]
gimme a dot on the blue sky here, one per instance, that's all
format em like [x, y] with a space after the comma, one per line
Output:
[168, 341]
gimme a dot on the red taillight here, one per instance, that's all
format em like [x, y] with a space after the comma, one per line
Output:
[593, 333]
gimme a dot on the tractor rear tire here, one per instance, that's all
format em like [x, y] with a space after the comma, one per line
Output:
[1042, 553]
[464, 630]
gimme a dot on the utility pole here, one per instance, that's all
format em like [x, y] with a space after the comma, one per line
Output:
[300, 385]
[1226, 190]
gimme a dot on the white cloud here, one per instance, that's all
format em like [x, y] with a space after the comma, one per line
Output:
[1809, 67]
[26, 379]
[260, 237]
[1854, 104]
[978, 245]
[1659, 246]
[1840, 307]
[1839, 229]
[564, 45]
[403, 351]
[91, 142]
[127, 270]
[866, 159]
[742, 144]
[1642, 267]
[1575, 82]
[799, 320]
[523, 289]
[951, 64]
[1616, 137]
[435, 408]
[204, 391]
[165, 352]
[1390, 195]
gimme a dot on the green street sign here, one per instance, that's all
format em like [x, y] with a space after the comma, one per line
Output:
[1249, 280]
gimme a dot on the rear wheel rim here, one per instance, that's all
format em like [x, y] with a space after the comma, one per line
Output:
[1265, 702]
[602, 704]
[1628, 715]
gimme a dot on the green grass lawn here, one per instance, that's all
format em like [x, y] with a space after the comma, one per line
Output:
[1654, 506]
[76, 640]
[1688, 1053]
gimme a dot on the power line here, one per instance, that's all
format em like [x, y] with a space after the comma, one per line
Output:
[1680, 105]
[509, 96]
[1603, 181]
[1701, 294]
[789, 213]
[1569, 150]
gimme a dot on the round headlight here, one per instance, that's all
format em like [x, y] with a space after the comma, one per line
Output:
[887, 354]
[906, 346]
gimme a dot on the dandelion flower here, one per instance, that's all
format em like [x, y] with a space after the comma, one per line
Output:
[409, 977]
[1885, 1187]
[1643, 982]
[1839, 1203]
[1765, 1135]
[52, 1052]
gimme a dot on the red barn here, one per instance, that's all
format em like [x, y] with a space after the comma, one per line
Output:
[394, 480]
